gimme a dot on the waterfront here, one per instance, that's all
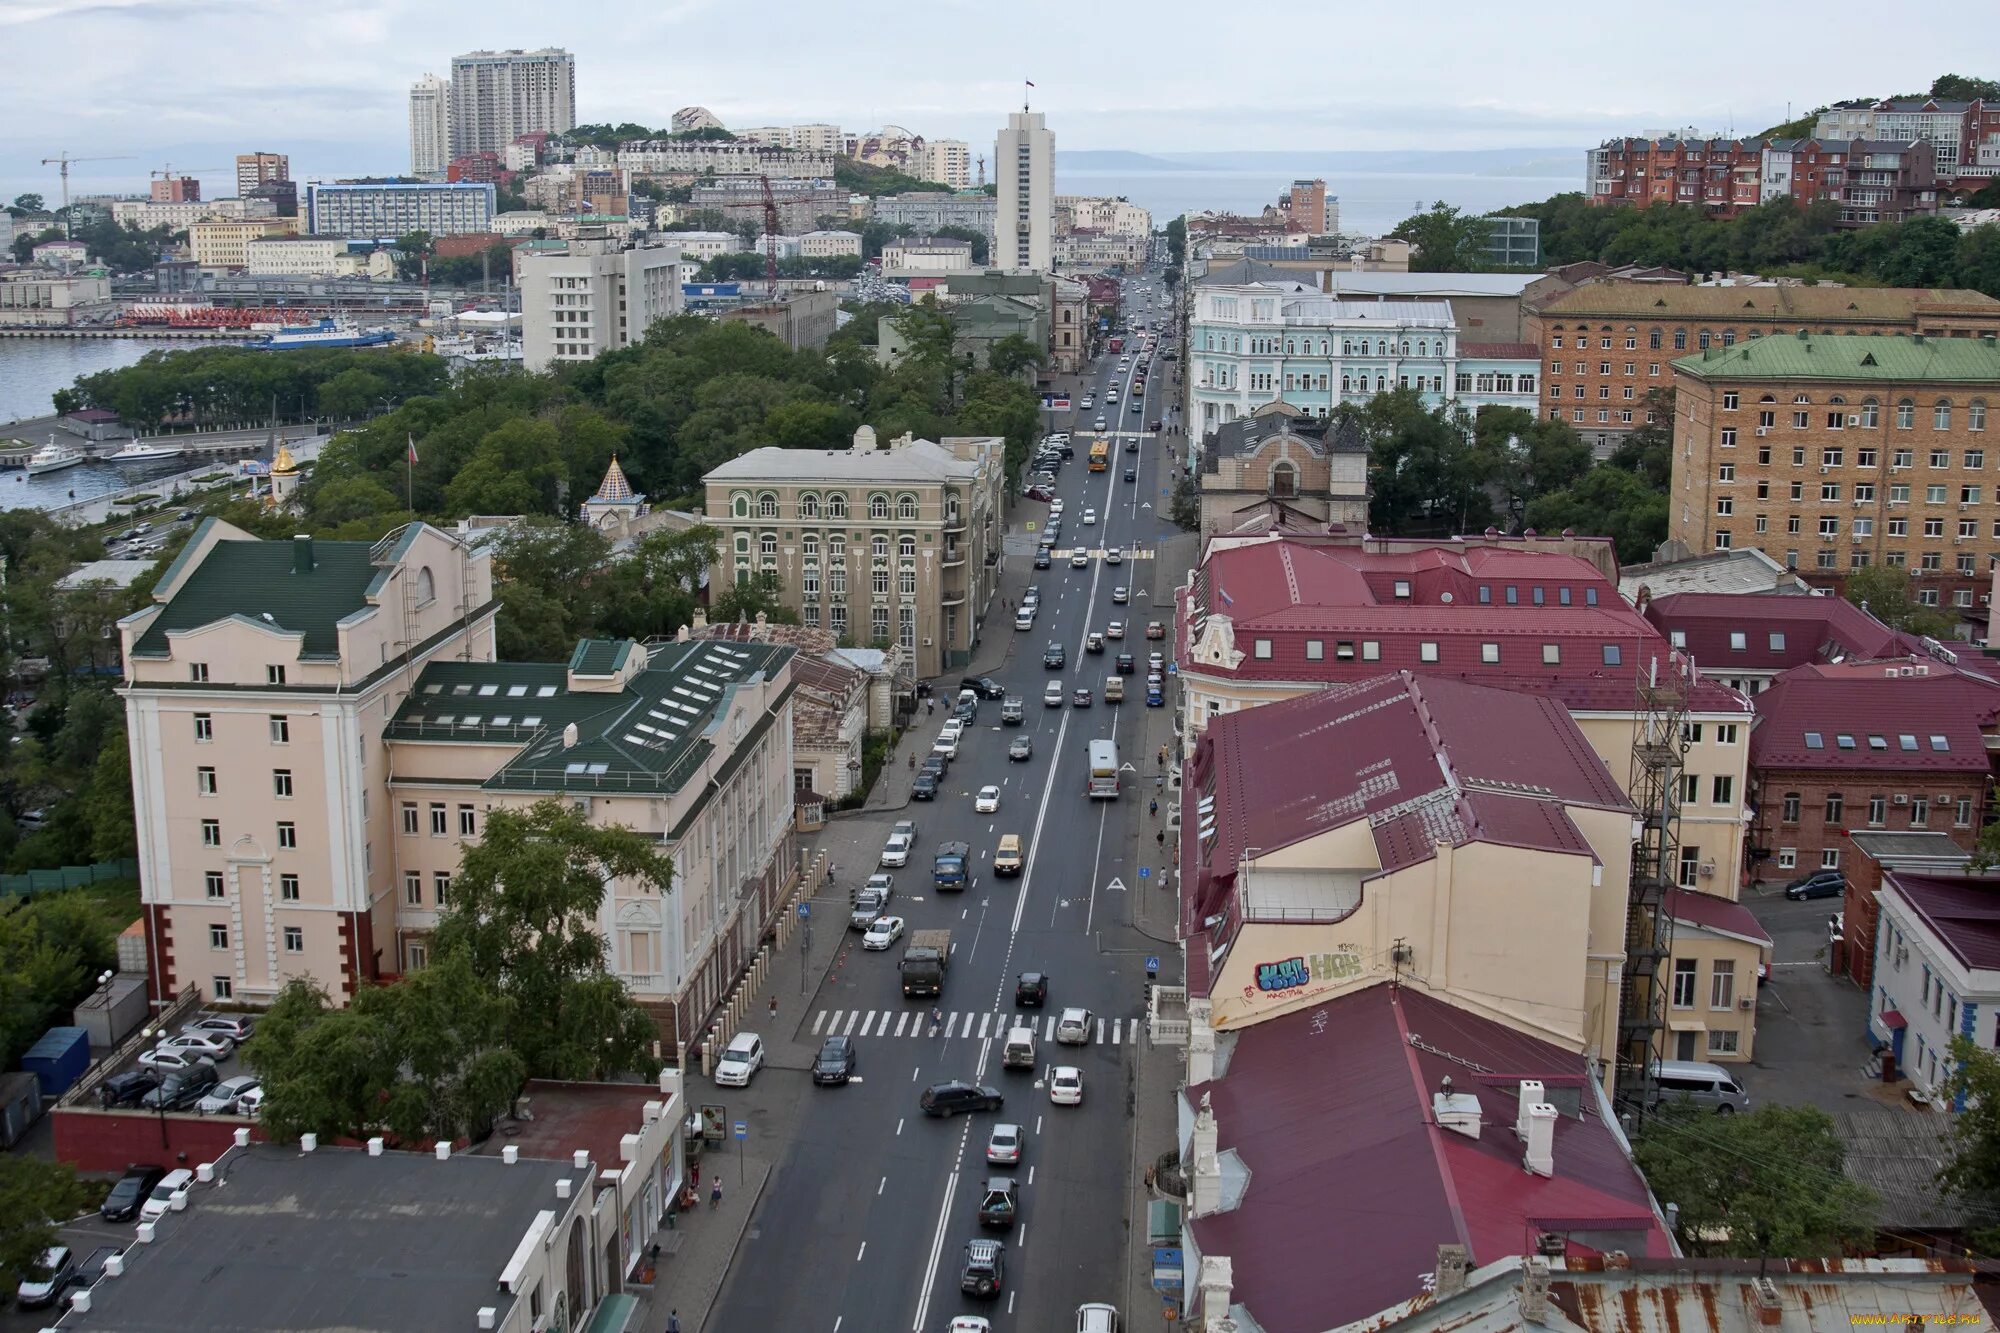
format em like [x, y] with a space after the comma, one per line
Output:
[32, 369]
[54, 490]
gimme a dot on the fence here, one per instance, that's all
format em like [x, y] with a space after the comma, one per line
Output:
[66, 877]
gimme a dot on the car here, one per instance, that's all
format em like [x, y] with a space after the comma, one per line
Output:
[1131, 474]
[1155, 697]
[966, 710]
[835, 1062]
[1818, 884]
[1138, 406]
[1042, 493]
[1121, 595]
[1042, 560]
[1093, 642]
[1155, 630]
[984, 1270]
[251, 1102]
[896, 851]
[883, 932]
[44, 1283]
[955, 1096]
[1052, 697]
[222, 1098]
[1087, 403]
[1154, 662]
[1031, 595]
[127, 1088]
[1155, 426]
[1031, 990]
[1096, 1317]
[936, 765]
[1021, 747]
[907, 828]
[1081, 698]
[987, 801]
[1100, 423]
[1113, 556]
[211, 1044]
[1073, 1028]
[925, 788]
[122, 1203]
[1011, 713]
[1115, 630]
[1056, 505]
[173, 1185]
[1053, 657]
[1045, 541]
[1125, 664]
[1090, 518]
[236, 1027]
[181, 1089]
[1066, 1085]
[1000, 1205]
[740, 1060]
[174, 1060]
[1079, 559]
[983, 686]
[1003, 1145]
[947, 742]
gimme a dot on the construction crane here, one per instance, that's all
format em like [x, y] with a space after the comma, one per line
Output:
[64, 159]
[770, 240]
[168, 173]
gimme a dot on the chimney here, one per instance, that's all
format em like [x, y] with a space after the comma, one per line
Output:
[1207, 1196]
[1201, 1043]
[1454, 1262]
[563, 1188]
[864, 440]
[375, 1146]
[700, 621]
[1534, 1291]
[1541, 1155]
[511, 1154]
[443, 1150]
[1216, 1279]
[1531, 1095]
[302, 553]
[580, 1159]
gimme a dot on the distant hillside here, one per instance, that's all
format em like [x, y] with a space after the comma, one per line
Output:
[1946, 87]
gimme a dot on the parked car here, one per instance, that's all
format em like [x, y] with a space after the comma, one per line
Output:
[211, 1044]
[122, 1203]
[741, 1059]
[173, 1185]
[179, 1091]
[1031, 990]
[222, 1098]
[1066, 1086]
[169, 1060]
[43, 1286]
[1818, 884]
[954, 1096]
[1042, 493]
[1096, 1317]
[126, 1088]
[1042, 560]
[251, 1102]
[924, 788]
[236, 1027]
[896, 851]
[883, 931]
[835, 1062]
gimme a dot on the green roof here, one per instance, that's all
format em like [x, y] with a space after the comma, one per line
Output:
[600, 657]
[1838, 356]
[258, 581]
[649, 736]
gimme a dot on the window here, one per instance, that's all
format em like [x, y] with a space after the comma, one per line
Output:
[1835, 806]
[1906, 414]
[222, 987]
[1975, 415]
[1829, 858]
[1551, 654]
[212, 883]
[1738, 641]
[295, 939]
[204, 781]
[204, 728]
[437, 819]
[198, 672]
[1722, 984]
[441, 885]
[409, 817]
[1961, 815]
[1613, 654]
[288, 835]
[1878, 810]
[1371, 650]
[281, 729]
[1723, 791]
[1427, 652]
[211, 833]
[1316, 650]
[1262, 648]
[1686, 979]
[281, 783]
[218, 937]
[1920, 811]
[1722, 1041]
[1791, 808]
[274, 675]
[468, 822]
[1489, 653]
[288, 888]
[1941, 415]
[1788, 858]
[413, 888]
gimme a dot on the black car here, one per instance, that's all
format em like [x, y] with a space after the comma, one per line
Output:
[954, 1095]
[1819, 884]
[936, 764]
[126, 1088]
[1131, 474]
[1000, 1206]
[122, 1204]
[182, 1089]
[985, 1268]
[1132, 446]
[1042, 558]
[925, 788]
[1031, 990]
[983, 686]
[1125, 666]
[1053, 657]
[835, 1063]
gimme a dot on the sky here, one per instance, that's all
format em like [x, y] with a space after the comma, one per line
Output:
[188, 84]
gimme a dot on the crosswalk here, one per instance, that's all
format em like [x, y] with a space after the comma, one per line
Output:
[989, 1026]
[1097, 553]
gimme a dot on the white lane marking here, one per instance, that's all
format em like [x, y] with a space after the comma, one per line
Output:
[867, 1022]
[885, 1182]
[1012, 1294]
[836, 1322]
[1100, 1032]
[937, 1250]
[852, 1018]
[818, 1021]
[1116, 1028]
[950, 1022]
[902, 1020]
[863, 1254]
[1133, 1037]
[899, 1130]
[1038, 1127]
[983, 1018]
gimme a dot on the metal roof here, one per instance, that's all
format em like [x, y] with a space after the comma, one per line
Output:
[915, 463]
[1778, 630]
[1851, 357]
[1962, 912]
[259, 581]
[1625, 299]
[1897, 714]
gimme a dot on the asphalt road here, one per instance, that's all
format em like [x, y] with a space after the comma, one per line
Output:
[873, 1202]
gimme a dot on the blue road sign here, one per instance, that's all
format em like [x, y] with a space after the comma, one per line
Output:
[1172, 670]
[805, 911]
[1145, 872]
[743, 1129]
[1152, 961]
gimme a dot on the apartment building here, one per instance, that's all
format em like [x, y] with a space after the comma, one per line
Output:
[1099, 250]
[1875, 177]
[1873, 180]
[1117, 217]
[430, 127]
[386, 212]
[1605, 346]
[880, 544]
[665, 157]
[830, 244]
[170, 189]
[255, 169]
[1935, 978]
[499, 95]
[593, 294]
[1024, 163]
[801, 203]
[926, 256]
[930, 211]
[946, 161]
[297, 256]
[145, 214]
[226, 245]
[1833, 453]
[1965, 136]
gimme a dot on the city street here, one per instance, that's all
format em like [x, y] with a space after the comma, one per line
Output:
[864, 1220]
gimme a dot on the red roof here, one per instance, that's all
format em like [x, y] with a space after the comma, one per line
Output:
[568, 1116]
[1351, 1186]
[1901, 714]
[1779, 630]
[1963, 911]
[1718, 914]
[1500, 351]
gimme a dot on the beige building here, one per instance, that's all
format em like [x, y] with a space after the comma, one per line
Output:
[1117, 217]
[926, 256]
[947, 161]
[227, 244]
[1090, 249]
[255, 169]
[1280, 468]
[146, 214]
[44, 298]
[880, 544]
[299, 256]
[829, 244]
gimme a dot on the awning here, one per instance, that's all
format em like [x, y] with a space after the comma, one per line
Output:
[1893, 1020]
[615, 1314]
[1686, 1025]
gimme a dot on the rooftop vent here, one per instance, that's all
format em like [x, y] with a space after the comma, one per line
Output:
[302, 553]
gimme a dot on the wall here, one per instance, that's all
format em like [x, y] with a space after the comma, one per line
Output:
[93, 1140]
[1813, 835]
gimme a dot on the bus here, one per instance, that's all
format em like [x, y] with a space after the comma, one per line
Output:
[1103, 771]
[1100, 455]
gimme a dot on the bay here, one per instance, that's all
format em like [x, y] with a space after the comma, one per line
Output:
[32, 369]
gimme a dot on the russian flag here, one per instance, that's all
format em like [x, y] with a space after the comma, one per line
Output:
[413, 447]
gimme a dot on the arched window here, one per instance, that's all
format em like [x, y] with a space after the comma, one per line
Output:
[1702, 339]
[426, 587]
[739, 505]
[1800, 400]
[1871, 413]
[1941, 414]
[1284, 481]
[1406, 348]
[1729, 337]
[878, 506]
[809, 545]
[1654, 339]
[836, 506]
[906, 547]
[1838, 400]
[808, 505]
[906, 508]
[1906, 413]
[836, 548]
[1975, 414]
[767, 505]
[767, 543]
[878, 546]
[1381, 347]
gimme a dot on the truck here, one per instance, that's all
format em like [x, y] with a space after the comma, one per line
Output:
[1103, 784]
[1117, 346]
[948, 870]
[924, 962]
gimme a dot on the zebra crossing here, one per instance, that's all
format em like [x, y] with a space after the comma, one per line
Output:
[989, 1026]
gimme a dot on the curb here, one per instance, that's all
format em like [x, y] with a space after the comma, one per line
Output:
[735, 1250]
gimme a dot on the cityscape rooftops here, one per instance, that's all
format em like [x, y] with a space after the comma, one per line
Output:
[1719, 916]
[1771, 631]
[900, 461]
[305, 590]
[1624, 299]
[1736, 572]
[1905, 714]
[1850, 357]
[1962, 911]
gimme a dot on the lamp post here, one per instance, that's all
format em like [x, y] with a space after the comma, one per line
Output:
[159, 1101]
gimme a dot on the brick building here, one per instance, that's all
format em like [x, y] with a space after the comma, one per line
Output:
[1873, 179]
[1852, 947]
[1894, 744]
[1718, 175]
[1835, 453]
[1606, 345]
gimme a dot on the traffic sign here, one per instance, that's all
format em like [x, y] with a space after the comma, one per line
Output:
[1145, 872]
[1152, 962]
[742, 1129]
[805, 911]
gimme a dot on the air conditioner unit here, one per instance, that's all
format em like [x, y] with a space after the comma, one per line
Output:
[927, 643]
[1986, 599]
[1902, 798]
[1899, 467]
[1963, 507]
[1824, 469]
[1708, 870]
[1763, 430]
[1942, 798]
[1854, 421]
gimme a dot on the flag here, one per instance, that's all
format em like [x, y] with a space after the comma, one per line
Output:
[1227, 600]
[413, 448]
[1031, 83]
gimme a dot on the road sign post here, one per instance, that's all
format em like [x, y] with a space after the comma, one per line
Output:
[742, 1133]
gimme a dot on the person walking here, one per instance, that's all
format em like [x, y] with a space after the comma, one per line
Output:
[774, 1007]
[715, 1193]
[674, 1322]
[1161, 838]
[1153, 807]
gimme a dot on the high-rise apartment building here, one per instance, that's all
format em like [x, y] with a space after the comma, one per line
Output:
[255, 169]
[430, 127]
[1311, 208]
[389, 211]
[175, 190]
[594, 296]
[1024, 168]
[948, 161]
[497, 95]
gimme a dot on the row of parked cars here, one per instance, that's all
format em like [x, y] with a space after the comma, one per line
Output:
[181, 1074]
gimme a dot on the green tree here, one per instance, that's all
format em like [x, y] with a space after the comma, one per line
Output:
[1013, 356]
[976, 239]
[29, 202]
[35, 1198]
[1527, 456]
[1960, 88]
[1973, 1172]
[524, 910]
[413, 249]
[1176, 244]
[546, 574]
[1446, 240]
[746, 599]
[1606, 502]
[1884, 592]
[1761, 1185]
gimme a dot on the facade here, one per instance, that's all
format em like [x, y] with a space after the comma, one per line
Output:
[1878, 441]
[706, 245]
[925, 256]
[698, 157]
[1069, 326]
[385, 212]
[226, 245]
[928, 212]
[1119, 217]
[1880, 176]
[829, 244]
[801, 202]
[1514, 242]
[430, 127]
[1851, 935]
[1936, 974]
[297, 256]
[255, 169]
[1279, 467]
[1311, 209]
[922, 576]
[1606, 346]
[498, 95]
[1024, 165]
[1093, 249]
[593, 295]
[946, 161]
[169, 189]
[45, 298]
[145, 214]
[800, 320]
[1872, 180]
[1891, 744]
[1964, 135]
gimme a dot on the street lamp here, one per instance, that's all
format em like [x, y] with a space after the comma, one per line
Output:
[159, 1102]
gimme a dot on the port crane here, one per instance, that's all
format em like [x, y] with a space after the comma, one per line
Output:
[63, 160]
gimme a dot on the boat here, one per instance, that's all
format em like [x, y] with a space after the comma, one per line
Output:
[140, 451]
[322, 333]
[52, 457]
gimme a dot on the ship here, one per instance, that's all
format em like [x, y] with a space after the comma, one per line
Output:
[140, 451]
[322, 333]
[52, 457]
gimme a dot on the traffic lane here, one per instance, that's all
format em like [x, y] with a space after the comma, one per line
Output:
[1073, 1249]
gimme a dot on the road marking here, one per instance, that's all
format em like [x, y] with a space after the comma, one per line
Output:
[885, 1183]
[833, 1022]
[1049, 1029]
[950, 1022]
[863, 1254]
[1011, 1294]
[1114, 1031]
[899, 1130]
[1038, 1127]
[817, 1021]
[1031, 1175]
[901, 1020]
[937, 1250]
[1100, 1032]
[852, 1018]
[982, 1025]
[867, 1022]
[1134, 1036]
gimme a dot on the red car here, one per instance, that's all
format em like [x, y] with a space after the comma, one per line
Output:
[1042, 493]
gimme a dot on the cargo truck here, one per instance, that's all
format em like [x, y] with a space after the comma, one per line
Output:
[924, 962]
[948, 870]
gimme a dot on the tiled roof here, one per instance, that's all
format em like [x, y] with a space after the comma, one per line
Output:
[1963, 911]
[1850, 358]
[1348, 1183]
[1846, 305]
[1869, 715]
[1779, 630]
[258, 580]
[1497, 351]
[915, 463]
[1717, 914]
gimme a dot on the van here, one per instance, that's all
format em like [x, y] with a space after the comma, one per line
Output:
[161, 1201]
[1706, 1085]
[1114, 689]
[1053, 695]
[1024, 618]
[1007, 860]
[743, 1057]
[1019, 1052]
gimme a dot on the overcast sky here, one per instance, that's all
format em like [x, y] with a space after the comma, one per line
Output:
[189, 83]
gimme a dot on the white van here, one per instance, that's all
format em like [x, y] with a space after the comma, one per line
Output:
[1024, 618]
[161, 1201]
[743, 1057]
[1706, 1085]
[1019, 1052]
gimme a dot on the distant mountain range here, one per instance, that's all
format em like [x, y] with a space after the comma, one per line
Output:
[1470, 162]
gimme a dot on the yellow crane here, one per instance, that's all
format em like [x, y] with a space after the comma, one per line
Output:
[63, 160]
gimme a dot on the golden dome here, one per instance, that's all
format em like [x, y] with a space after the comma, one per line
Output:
[282, 465]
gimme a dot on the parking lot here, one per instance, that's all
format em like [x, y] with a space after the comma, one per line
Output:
[1811, 1043]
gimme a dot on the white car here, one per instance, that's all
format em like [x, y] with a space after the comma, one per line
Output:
[896, 852]
[1098, 424]
[883, 883]
[172, 1061]
[1096, 1317]
[885, 932]
[211, 1044]
[1089, 518]
[1003, 1145]
[1121, 595]
[969, 1323]
[1056, 505]
[173, 1185]
[1073, 1028]
[1066, 1086]
[946, 743]
[1115, 630]
[1087, 403]
[251, 1102]
[987, 802]
[223, 1097]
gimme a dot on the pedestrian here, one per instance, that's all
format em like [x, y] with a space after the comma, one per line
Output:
[930, 707]
[715, 1192]
[937, 1019]
[1153, 807]
[1163, 756]
[1161, 838]
[674, 1322]
[774, 1006]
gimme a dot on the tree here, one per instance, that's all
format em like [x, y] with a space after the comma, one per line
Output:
[1176, 244]
[1973, 1172]
[524, 910]
[35, 1198]
[28, 203]
[976, 239]
[1013, 356]
[1959, 88]
[546, 571]
[1606, 502]
[759, 595]
[1884, 592]
[1758, 1185]
[413, 248]
[1446, 240]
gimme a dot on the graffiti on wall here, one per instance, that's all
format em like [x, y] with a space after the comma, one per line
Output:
[1293, 973]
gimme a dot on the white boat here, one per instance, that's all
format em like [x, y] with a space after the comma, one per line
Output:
[52, 457]
[140, 451]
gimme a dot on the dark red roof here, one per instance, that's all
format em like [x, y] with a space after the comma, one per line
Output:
[1500, 351]
[568, 1116]
[1352, 1187]
[1780, 630]
[1900, 715]
[1963, 911]
[1719, 914]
